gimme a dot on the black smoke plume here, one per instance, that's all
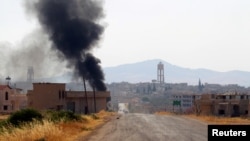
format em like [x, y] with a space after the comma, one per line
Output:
[72, 26]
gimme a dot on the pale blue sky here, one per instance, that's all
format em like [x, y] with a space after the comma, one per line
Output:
[212, 34]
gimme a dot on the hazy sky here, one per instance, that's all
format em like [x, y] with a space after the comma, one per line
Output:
[212, 34]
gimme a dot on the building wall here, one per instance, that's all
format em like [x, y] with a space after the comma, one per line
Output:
[20, 101]
[186, 101]
[47, 96]
[53, 96]
[78, 97]
[231, 107]
[249, 109]
[223, 104]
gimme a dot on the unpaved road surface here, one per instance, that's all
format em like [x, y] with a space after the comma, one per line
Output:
[149, 127]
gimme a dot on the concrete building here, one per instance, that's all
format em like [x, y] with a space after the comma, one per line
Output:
[11, 99]
[181, 102]
[55, 97]
[227, 104]
[76, 101]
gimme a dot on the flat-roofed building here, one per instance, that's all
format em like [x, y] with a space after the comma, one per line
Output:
[54, 96]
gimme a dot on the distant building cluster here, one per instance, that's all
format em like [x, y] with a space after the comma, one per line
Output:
[147, 97]
[203, 98]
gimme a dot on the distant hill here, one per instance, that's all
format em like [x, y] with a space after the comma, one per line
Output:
[146, 71]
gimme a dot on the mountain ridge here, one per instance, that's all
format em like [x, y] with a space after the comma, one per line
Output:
[146, 71]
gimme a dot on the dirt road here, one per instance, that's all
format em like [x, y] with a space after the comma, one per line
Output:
[148, 127]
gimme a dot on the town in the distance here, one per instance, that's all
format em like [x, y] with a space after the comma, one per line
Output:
[125, 97]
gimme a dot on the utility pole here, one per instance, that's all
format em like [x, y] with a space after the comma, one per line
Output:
[94, 98]
[86, 98]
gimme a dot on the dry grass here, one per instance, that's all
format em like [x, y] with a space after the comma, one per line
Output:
[63, 131]
[3, 117]
[220, 120]
[163, 113]
[87, 127]
[212, 119]
[34, 131]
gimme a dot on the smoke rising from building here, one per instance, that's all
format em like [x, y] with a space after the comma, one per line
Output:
[72, 26]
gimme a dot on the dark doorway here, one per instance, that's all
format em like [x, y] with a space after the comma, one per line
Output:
[236, 111]
[71, 106]
[221, 112]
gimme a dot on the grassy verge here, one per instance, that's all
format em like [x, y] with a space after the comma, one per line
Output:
[48, 130]
[212, 119]
[220, 120]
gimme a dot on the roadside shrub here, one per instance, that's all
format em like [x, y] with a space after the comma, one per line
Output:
[56, 116]
[94, 116]
[4, 125]
[24, 116]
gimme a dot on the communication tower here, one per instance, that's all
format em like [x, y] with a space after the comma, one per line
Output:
[30, 74]
[160, 73]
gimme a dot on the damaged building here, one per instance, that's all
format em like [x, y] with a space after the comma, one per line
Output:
[228, 104]
[54, 96]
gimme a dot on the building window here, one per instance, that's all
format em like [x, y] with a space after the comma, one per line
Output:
[63, 94]
[59, 94]
[5, 107]
[6, 96]
[59, 107]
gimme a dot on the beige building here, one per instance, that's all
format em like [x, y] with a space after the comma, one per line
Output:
[11, 99]
[54, 96]
[227, 104]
